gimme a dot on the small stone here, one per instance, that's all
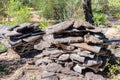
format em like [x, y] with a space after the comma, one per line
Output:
[2, 48]
[73, 78]
[92, 76]
[46, 74]
[69, 64]
[42, 45]
[86, 54]
[67, 71]
[42, 60]
[94, 61]
[53, 51]
[64, 57]
[5, 42]
[77, 58]
[78, 68]
[54, 78]
[54, 67]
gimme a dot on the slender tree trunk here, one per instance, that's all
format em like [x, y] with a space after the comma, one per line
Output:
[88, 11]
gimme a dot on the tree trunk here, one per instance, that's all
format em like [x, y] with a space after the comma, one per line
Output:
[88, 11]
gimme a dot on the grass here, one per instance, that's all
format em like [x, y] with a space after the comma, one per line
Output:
[114, 7]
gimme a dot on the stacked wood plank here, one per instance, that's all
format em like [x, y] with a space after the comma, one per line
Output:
[75, 45]
[23, 37]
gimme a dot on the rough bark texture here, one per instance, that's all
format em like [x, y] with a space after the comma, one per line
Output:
[88, 11]
[68, 47]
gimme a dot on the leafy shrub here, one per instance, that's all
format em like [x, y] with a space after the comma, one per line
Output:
[114, 7]
[43, 24]
[59, 10]
[99, 18]
[3, 7]
[17, 12]
[99, 5]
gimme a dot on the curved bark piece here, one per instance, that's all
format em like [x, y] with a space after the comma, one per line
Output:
[59, 27]
[94, 48]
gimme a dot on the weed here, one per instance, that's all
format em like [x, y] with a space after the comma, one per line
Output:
[99, 18]
[113, 69]
[43, 24]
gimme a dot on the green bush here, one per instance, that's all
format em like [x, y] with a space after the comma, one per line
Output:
[16, 11]
[99, 18]
[114, 7]
[59, 9]
[3, 7]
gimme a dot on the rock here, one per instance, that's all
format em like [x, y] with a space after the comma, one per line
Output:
[12, 42]
[46, 74]
[51, 51]
[61, 48]
[73, 78]
[54, 78]
[67, 71]
[33, 38]
[78, 68]
[42, 45]
[64, 57]
[92, 48]
[117, 55]
[12, 33]
[55, 56]
[68, 40]
[2, 48]
[88, 38]
[78, 24]
[45, 60]
[59, 27]
[113, 34]
[92, 76]
[22, 26]
[54, 67]
[77, 58]
[3, 31]
[94, 61]
[5, 42]
[48, 37]
[86, 54]
[66, 47]
[69, 64]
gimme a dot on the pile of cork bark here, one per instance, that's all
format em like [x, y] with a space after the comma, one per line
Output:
[73, 45]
